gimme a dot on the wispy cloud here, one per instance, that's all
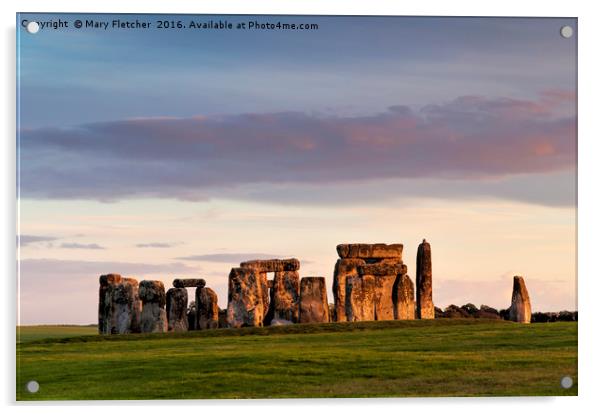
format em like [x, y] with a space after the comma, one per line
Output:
[468, 138]
[158, 245]
[91, 246]
[27, 239]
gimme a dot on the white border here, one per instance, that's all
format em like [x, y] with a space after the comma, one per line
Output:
[590, 207]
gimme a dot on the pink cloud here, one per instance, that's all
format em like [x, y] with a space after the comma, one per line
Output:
[466, 138]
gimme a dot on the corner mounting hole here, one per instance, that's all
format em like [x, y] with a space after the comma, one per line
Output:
[33, 387]
[33, 27]
[566, 382]
[566, 32]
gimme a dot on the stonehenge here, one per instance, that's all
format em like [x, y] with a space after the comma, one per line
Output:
[177, 304]
[207, 311]
[119, 305]
[404, 305]
[153, 317]
[520, 309]
[313, 303]
[370, 283]
[364, 283]
[246, 298]
[424, 282]
[284, 298]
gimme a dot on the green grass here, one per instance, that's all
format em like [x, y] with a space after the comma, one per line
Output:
[369, 359]
[36, 332]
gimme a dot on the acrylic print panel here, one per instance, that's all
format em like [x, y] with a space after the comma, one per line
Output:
[295, 206]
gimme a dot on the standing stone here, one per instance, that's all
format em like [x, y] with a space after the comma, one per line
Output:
[265, 293]
[207, 309]
[343, 268]
[177, 302]
[520, 309]
[403, 298]
[126, 307]
[313, 301]
[359, 305]
[245, 298]
[105, 302]
[383, 297]
[284, 300]
[424, 282]
[154, 317]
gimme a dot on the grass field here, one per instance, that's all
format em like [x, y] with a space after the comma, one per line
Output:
[440, 357]
[33, 333]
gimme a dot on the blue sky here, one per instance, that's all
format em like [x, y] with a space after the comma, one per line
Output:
[153, 152]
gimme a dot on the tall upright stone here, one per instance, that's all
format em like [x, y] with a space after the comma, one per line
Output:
[343, 269]
[359, 298]
[177, 304]
[207, 309]
[127, 307]
[403, 298]
[313, 301]
[520, 309]
[154, 317]
[425, 309]
[105, 302]
[284, 298]
[245, 298]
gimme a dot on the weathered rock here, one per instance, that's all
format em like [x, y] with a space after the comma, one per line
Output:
[153, 317]
[284, 297]
[273, 265]
[520, 309]
[404, 305]
[245, 298]
[313, 301]
[265, 293]
[384, 309]
[343, 269]
[127, 307]
[382, 269]
[188, 283]
[105, 302]
[331, 312]
[177, 303]
[424, 282]
[207, 309]
[359, 298]
[370, 251]
[192, 318]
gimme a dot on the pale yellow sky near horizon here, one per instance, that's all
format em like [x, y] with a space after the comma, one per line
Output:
[478, 245]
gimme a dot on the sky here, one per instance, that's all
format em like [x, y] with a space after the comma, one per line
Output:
[164, 153]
